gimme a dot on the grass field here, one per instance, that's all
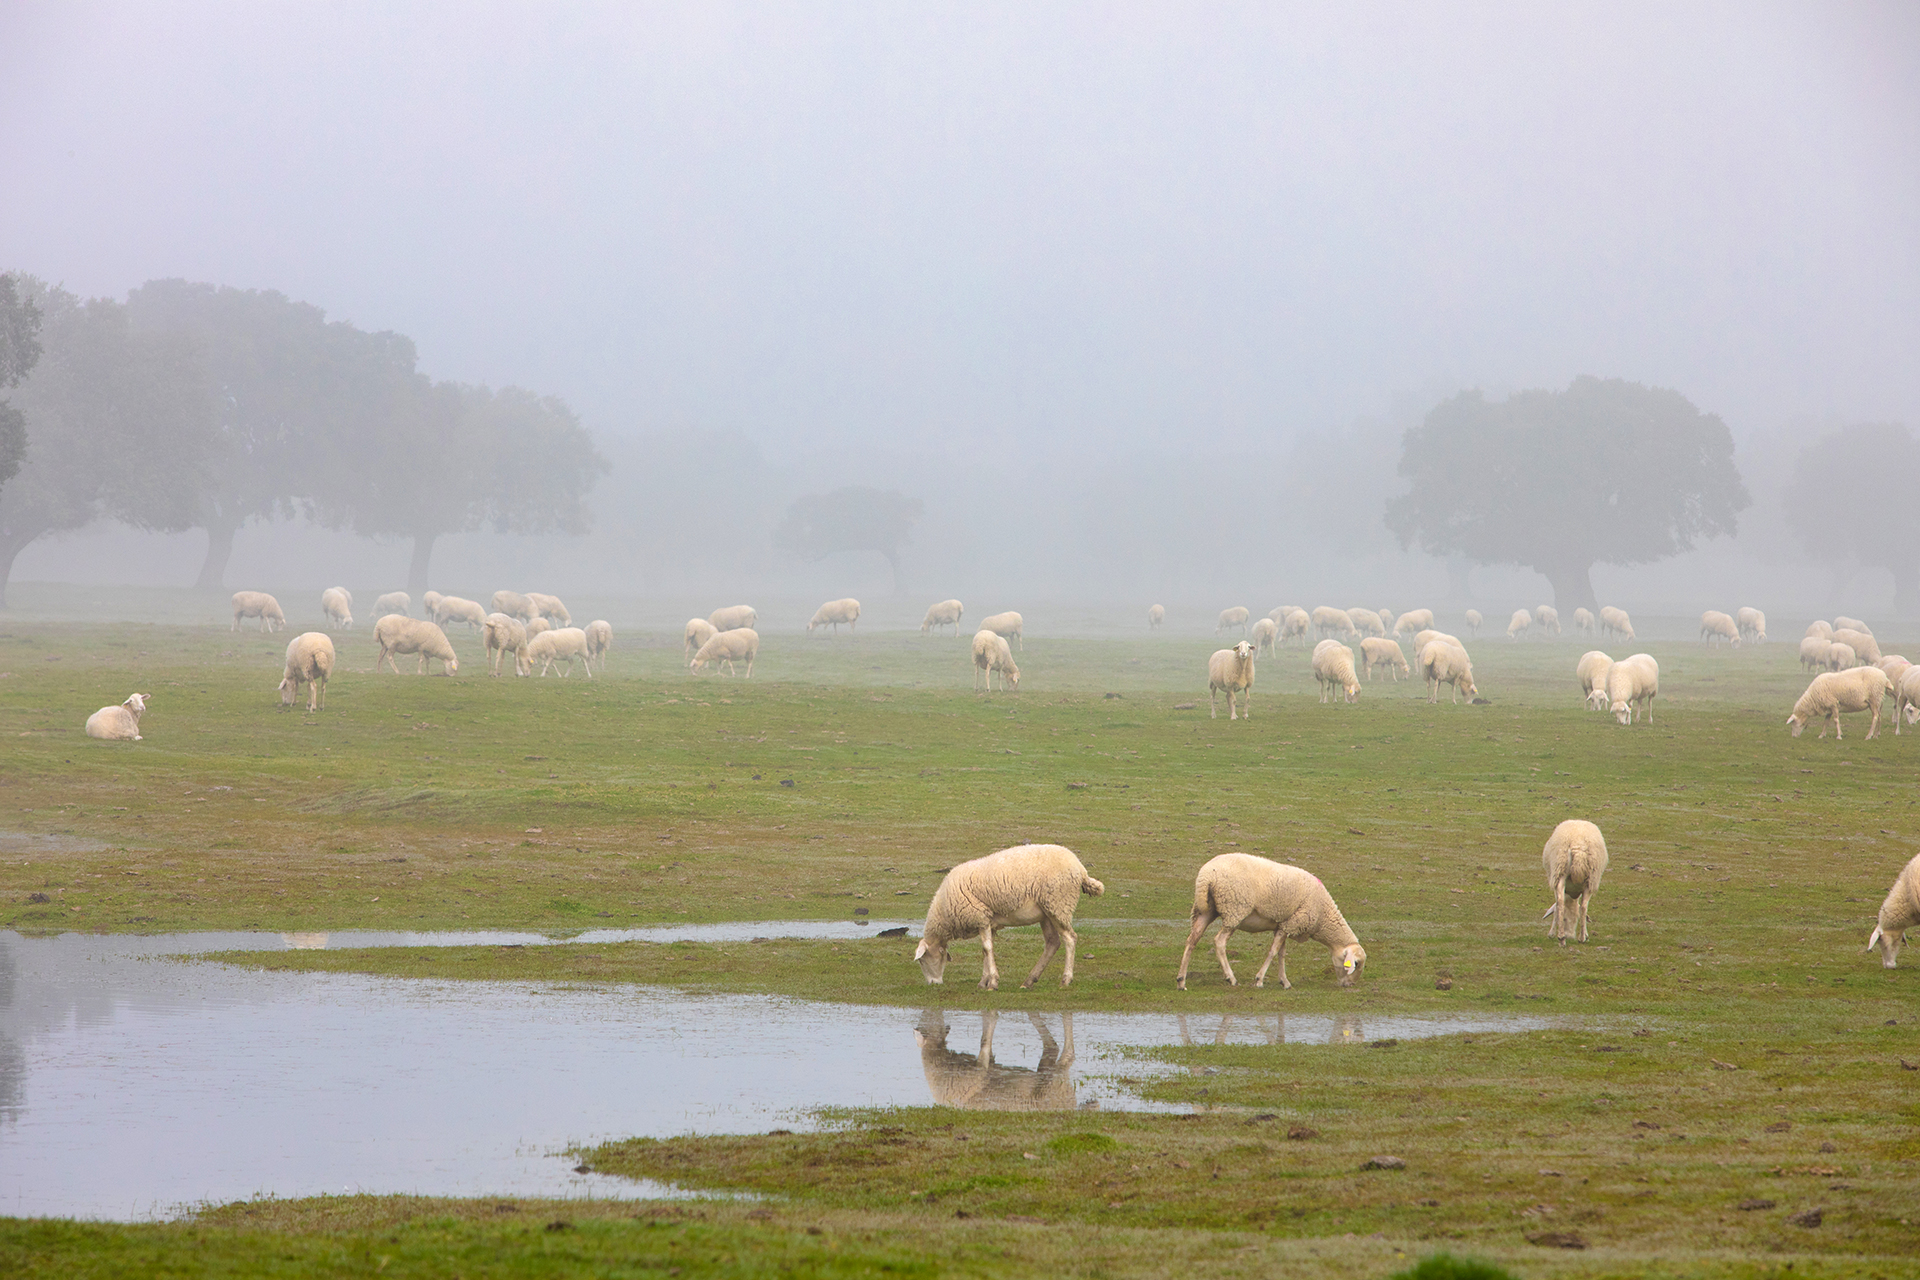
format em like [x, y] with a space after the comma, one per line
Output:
[1734, 1045]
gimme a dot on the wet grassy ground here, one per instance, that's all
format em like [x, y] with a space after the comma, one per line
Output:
[1746, 868]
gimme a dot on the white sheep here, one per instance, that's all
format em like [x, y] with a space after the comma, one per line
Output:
[1896, 666]
[742, 644]
[1840, 656]
[257, 604]
[560, 644]
[514, 605]
[1333, 666]
[505, 635]
[1378, 651]
[1907, 707]
[835, 612]
[1027, 884]
[121, 723]
[599, 640]
[396, 633]
[1813, 653]
[1329, 621]
[1265, 635]
[1413, 620]
[538, 626]
[698, 632]
[1715, 625]
[1633, 682]
[1615, 622]
[1592, 673]
[1259, 895]
[1518, 625]
[1842, 622]
[1009, 626]
[991, 654]
[1441, 663]
[1424, 638]
[1753, 625]
[337, 604]
[735, 617]
[1899, 913]
[1156, 616]
[393, 602]
[945, 614]
[1583, 621]
[1865, 647]
[550, 608]
[1474, 622]
[1232, 670]
[309, 662]
[430, 603]
[1860, 689]
[1575, 858]
[1366, 622]
[1231, 618]
[1547, 618]
[1822, 629]
[1293, 626]
[1386, 621]
[457, 609]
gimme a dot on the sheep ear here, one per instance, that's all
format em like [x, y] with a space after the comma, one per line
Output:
[1874, 941]
[921, 950]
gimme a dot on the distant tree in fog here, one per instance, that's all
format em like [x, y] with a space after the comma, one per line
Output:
[1837, 517]
[118, 424]
[1605, 472]
[851, 519]
[19, 349]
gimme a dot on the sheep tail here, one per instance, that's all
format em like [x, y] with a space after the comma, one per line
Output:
[1091, 887]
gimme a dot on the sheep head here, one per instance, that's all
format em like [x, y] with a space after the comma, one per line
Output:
[450, 667]
[1243, 652]
[1888, 945]
[1351, 959]
[932, 955]
[1623, 712]
[137, 702]
[1913, 713]
[1597, 700]
[1795, 723]
[286, 691]
[1011, 674]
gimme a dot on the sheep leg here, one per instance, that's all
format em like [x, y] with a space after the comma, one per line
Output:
[1873, 730]
[1051, 934]
[1279, 949]
[989, 971]
[1200, 923]
[1585, 898]
[988, 1021]
[1220, 953]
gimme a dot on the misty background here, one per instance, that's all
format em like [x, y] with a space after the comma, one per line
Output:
[1138, 301]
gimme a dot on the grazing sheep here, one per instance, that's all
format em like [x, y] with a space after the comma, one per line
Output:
[1813, 653]
[945, 614]
[337, 604]
[1333, 665]
[1329, 621]
[1753, 625]
[393, 602]
[1842, 622]
[1232, 670]
[257, 604]
[121, 723]
[1547, 618]
[1575, 858]
[550, 608]
[1027, 884]
[430, 603]
[1615, 622]
[457, 609]
[1366, 622]
[560, 644]
[1907, 707]
[1425, 638]
[1519, 624]
[505, 635]
[1715, 625]
[991, 654]
[1444, 663]
[1386, 621]
[735, 618]
[396, 633]
[1259, 895]
[1231, 618]
[1865, 647]
[1630, 682]
[1822, 629]
[835, 612]
[698, 632]
[1378, 651]
[309, 662]
[1293, 626]
[514, 605]
[1266, 635]
[1899, 913]
[1583, 621]
[1895, 666]
[538, 626]
[1841, 656]
[599, 640]
[742, 644]
[1860, 689]
[1474, 622]
[1157, 615]
[1009, 626]
[1413, 620]
[1592, 673]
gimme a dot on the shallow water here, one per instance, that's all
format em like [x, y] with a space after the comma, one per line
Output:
[131, 1087]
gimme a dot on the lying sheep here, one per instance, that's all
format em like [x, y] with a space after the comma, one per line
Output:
[1575, 858]
[735, 617]
[1444, 663]
[1842, 622]
[835, 612]
[457, 609]
[550, 608]
[945, 614]
[1592, 673]
[1753, 625]
[1841, 656]
[1899, 913]
[1583, 621]
[1027, 884]
[599, 640]
[561, 644]
[1265, 635]
[1615, 622]
[698, 632]
[1474, 622]
[1413, 620]
[1333, 666]
[1259, 895]
[742, 644]
[337, 604]
[1156, 615]
[396, 633]
[1293, 626]
[1865, 647]
[121, 723]
[391, 603]
[1860, 689]
[514, 605]
[257, 604]
[991, 654]
[1547, 618]
[538, 626]
[1378, 651]
[1232, 670]
[1633, 682]
[1518, 625]
[1824, 630]
[1329, 622]
[1715, 625]
[505, 635]
[1813, 653]
[1231, 618]
[1907, 705]
[309, 662]
[1366, 622]
[1009, 626]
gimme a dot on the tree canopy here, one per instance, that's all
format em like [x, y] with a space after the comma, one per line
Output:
[1605, 472]
[19, 350]
[1833, 519]
[851, 519]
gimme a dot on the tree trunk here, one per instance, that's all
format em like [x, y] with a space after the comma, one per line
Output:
[1572, 586]
[417, 571]
[10, 549]
[893, 558]
[1460, 578]
[213, 570]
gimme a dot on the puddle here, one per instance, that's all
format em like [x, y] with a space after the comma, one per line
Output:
[130, 1089]
[187, 944]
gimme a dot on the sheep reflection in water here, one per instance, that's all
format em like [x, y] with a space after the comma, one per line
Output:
[978, 1083]
[304, 941]
[1273, 1030]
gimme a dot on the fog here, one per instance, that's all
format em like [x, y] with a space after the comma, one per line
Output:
[1137, 299]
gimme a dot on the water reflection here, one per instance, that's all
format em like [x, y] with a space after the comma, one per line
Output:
[1240, 1028]
[977, 1083]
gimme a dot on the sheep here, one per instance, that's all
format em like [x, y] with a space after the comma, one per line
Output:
[1279, 615]
[1547, 618]
[1026, 884]
[729, 647]
[835, 612]
[550, 608]
[1474, 622]
[337, 604]
[1519, 624]
[1715, 625]
[1632, 681]
[1157, 616]
[1896, 667]
[599, 640]
[1366, 622]
[990, 655]
[1443, 663]
[945, 614]
[514, 605]
[1259, 895]
[1813, 653]
[396, 633]
[736, 617]
[430, 603]
[457, 609]
[1575, 859]
[121, 723]
[538, 626]
[1899, 913]
[1841, 656]
[1822, 629]
[1333, 665]
[1378, 651]
[1842, 622]
[1232, 670]
[1592, 673]
[978, 1083]
[1583, 621]
[1009, 626]
[1266, 635]
[698, 632]
[504, 635]
[1424, 638]
[1413, 620]
[309, 662]
[1386, 621]
[1329, 621]
[1293, 625]
[1615, 622]
[1864, 646]
[393, 602]
[560, 644]
[1832, 692]
[1907, 706]
[257, 604]
[1231, 618]
[1753, 625]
